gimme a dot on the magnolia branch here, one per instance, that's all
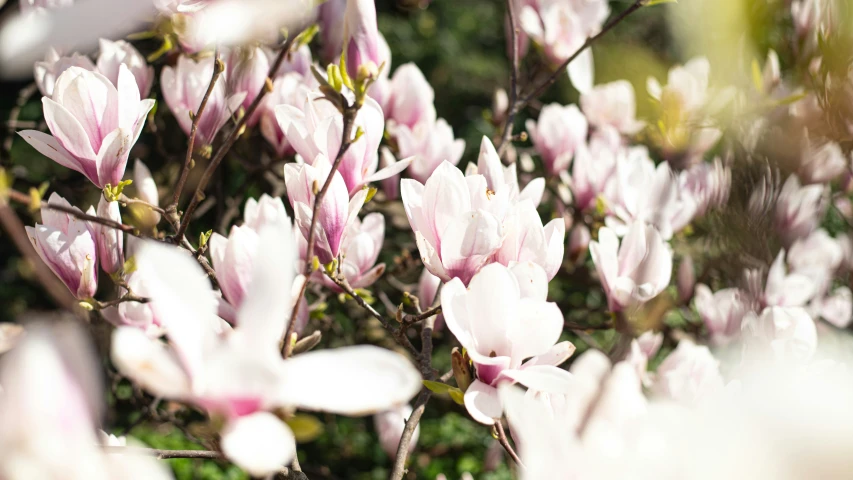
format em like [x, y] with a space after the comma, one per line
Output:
[162, 454]
[232, 137]
[218, 68]
[513, 79]
[504, 441]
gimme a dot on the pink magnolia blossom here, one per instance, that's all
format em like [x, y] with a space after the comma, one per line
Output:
[359, 252]
[93, 124]
[635, 271]
[49, 409]
[430, 144]
[47, 71]
[246, 71]
[455, 227]
[336, 213]
[593, 168]
[289, 89]
[501, 328]
[786, 334]
[821, 163]
[184, 87]
[67, 245]
[238, 375]
[317, 128]
[299, 61]
[389, 426]
[799, 209]
[411, 97]
[146, 190]
[561, 28]
[331, 20]
[526, 240]
[643, 192]
[143, 316]
[110, 241]
[361, 38]
[427, 288]
[558, 134]
[502, 182]
[708, 184]
[787, 289]
[722, 312]
[612, 105]
[689, 374]
[114, 54]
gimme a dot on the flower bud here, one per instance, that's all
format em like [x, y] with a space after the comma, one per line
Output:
[110, 240]
[47, 71]
[115, 54]
[390, 425]
[361, 37]
[686, 279]
[246, 73]
[579, 239]
[461, 365]
[146, 190]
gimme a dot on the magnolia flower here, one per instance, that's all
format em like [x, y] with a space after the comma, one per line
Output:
[502, 182]
[317, 129]
[821, 163]
[239, 375]
[48, 409]
[67, 245]
[299, 61]
[246, 71]
[836, 308]
[635, 271]
[689, 374]
[708, 184]
[593, 168]
[722, 312]
[184, 87]
[786, 334]
[559, 133]
[816, 257]
[428, 285]
[389, 426]
[233, 258]
[526, 240]
[561, 28]
[785, 289]
[612, 105]
[331, 20]
[501, 328]
[361, 39]
[289, 89]
[359, 251]
[430, 143]
[46, 72]
[337, 210]
[799, 209]
[93, 124]
[146, 190]
[454, 224]
[643, 192]
[115, 54]
[411, 97]
[110, 241]
[143, 316]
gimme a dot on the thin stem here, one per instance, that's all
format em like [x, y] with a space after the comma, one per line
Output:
[218, 68]
[162, 454]
[349, 113]
[538, 90]
[504, 441]
[229, 141]
[122, 299]
[91, 218]
[513, 80]
[135, 201]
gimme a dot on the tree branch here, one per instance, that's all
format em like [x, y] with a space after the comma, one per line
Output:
[513, 80]
[504, 441]
[218, 68]
[161, 454]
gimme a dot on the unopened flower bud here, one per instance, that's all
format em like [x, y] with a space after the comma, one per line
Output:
[578, 242]
[686, 279]
[461, 368]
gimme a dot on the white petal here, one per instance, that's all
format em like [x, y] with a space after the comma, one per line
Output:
[149, 363]
[483, 403]
[258, 443]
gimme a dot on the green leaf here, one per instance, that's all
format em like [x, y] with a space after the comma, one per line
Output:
[306, 428]
[457, 395]
[651, 3]
[437, 387]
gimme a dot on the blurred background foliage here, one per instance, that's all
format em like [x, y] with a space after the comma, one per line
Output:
[461, 48]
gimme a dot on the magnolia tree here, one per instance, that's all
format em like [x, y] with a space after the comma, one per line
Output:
[262, 221]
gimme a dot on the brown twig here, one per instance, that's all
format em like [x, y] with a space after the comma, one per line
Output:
[23, 97]
[124, 298]
[232, 137]
[539, 89]
[504, 441]
[161, 454]
[218, 68]
[91, 218]
[125, 200]
[513, 80]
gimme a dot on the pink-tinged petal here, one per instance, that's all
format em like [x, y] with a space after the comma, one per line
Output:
[634, 248]
[128, 98]
[240, 253]
[266, 308]
[555, 239]
[149, 363]
[67, 130]
[144, 107]
[492, 305]
[355, 380]
[533, 191]
[467, 242]
[112, 158]
[532, 280]
[483, 403]
[444, 196]
[489, 165]
[48, 146]
[110, 241]
[542, 378]
[369, 277]
[538, 328]
[558, 354]
[259, 443]
[391, 170]
[430, 257]
[604, 256]
[454, 307]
